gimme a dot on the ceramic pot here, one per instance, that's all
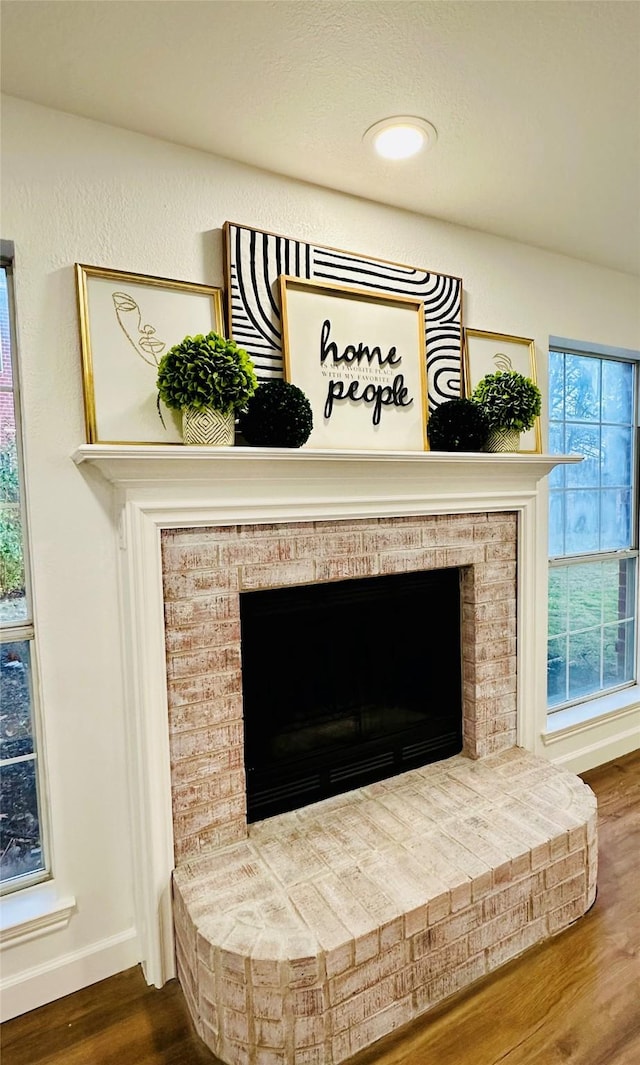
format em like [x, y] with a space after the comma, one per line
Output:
[207, 426]
[501, 440]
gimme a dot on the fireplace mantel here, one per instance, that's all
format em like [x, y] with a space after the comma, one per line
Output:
[158, 487]
[243, 484]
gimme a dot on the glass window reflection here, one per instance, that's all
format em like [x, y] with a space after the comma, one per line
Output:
[617, 392]
[582, 388]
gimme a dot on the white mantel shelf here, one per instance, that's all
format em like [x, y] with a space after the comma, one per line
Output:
[246, 482]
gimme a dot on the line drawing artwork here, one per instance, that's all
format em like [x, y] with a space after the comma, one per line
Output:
[503, 362]
[140, 335]
[255, 260]
[128, 323]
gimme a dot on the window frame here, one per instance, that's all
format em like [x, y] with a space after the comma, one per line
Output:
[26, 630]
[612, 699]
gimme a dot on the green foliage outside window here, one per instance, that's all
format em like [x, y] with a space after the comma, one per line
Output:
[11, 553]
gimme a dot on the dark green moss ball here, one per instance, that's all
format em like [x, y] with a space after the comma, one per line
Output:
[278, 414]
[457, 425]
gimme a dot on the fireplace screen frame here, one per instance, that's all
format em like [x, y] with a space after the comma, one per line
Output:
[339, 684]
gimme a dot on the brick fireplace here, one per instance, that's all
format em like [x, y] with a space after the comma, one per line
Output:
[306, 937]
[206, 569]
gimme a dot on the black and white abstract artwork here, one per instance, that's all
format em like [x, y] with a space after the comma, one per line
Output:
[255, 260]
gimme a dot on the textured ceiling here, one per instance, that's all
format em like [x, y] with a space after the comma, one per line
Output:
[536, 102]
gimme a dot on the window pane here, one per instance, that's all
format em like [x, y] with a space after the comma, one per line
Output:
[13, 606]
[616, 520]
[618, 665]
[582, 385]
[584, 440]
[584, 663]
[581, 522]
[591, 628]
[13, 603]
[617, 449]
[556, 524]
[617, 392]
[558, 601]
[556, 388]
[6, 378]
[20, 842]
[16, 733]
[585, 595]
[557, 671]
[557, 446]
[618, 583]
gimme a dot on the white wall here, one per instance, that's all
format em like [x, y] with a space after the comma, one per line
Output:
[78, 191]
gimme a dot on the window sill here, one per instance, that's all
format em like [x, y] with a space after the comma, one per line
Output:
[590, 714]
[33, 912]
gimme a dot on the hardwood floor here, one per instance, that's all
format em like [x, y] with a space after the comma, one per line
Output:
[574, 999]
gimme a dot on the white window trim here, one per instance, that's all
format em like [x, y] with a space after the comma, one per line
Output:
[579, 347]
[33, 912]
[586, 715]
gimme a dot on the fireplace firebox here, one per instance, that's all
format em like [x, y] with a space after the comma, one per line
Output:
[346, 683]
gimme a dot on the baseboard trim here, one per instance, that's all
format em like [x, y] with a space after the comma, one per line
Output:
[52, 980]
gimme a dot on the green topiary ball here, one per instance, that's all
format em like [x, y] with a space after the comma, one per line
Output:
[509, 399]
[458, 425]
[206, 371]
[277, 415]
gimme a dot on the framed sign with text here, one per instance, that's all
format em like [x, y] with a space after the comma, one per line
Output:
[359, 357]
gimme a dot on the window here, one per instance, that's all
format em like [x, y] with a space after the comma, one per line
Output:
[22, 844]
[593, 524]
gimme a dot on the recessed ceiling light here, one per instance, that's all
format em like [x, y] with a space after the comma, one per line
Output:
[401, 137]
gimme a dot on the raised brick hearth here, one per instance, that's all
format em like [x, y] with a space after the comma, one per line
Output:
[332, 926]
[306, 937]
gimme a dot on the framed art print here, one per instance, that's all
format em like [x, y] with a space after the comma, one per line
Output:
[486, 352]
[255, 259]
[127, 322]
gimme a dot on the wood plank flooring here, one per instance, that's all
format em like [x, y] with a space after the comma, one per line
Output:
[574, 999]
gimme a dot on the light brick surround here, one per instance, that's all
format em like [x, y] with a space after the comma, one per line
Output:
[308, 936]
[204, 571]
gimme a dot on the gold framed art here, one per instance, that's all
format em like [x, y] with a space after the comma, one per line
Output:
[359, 357]
[255, 259]
[127, 322]
[487, 352]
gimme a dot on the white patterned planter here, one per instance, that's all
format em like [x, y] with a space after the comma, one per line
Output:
[207, 426]
[501, 440]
